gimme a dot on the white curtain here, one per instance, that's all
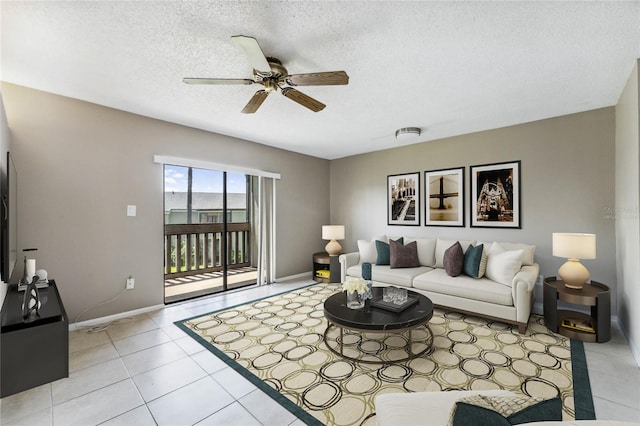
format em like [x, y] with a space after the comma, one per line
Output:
[263, 220]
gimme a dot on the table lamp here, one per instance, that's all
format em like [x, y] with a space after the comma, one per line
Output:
[574, 247]
[333, 233]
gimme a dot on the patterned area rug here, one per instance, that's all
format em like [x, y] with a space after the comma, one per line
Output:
[277, 343]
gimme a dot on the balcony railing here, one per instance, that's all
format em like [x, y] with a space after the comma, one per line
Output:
[197, 248]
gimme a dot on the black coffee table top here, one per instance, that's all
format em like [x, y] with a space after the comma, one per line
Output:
[376, 319]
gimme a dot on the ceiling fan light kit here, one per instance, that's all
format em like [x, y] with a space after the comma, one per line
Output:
[407, 134]
[270, 73]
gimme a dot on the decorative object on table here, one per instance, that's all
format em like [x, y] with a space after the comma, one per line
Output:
[333, 233]
[403, 199]
[394, 299]
[444, 197]
[31, 301]
[366, 275]
[573, 247]
[29, 270]
[395, 295]
[495, 195]
[355, 289]
[579, 324]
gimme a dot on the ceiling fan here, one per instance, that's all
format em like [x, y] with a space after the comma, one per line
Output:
[270, 73]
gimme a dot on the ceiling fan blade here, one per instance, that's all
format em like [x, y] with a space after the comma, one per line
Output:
[255, 102]
[329, 78]
[302, 99]
[253, 51]
[190, 80]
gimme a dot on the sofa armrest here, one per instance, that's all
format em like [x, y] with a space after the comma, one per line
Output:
[528, 275]
[347, 260]
[523, 291]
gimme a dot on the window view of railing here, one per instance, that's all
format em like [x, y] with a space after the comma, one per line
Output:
[198, 258]
[196, 247]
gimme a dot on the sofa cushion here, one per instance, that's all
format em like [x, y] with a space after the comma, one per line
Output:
[453, 260]
[528, 250]
[384, 252]
[481, 410]
[367, 250]
[426, 250]
[403, 256]
[483, 289]
[503, 265]
[475, 261]
[384, 274]
[443, 245]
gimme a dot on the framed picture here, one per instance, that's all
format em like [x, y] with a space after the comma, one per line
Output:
[495, 195]
[444, 197]
[403, 199]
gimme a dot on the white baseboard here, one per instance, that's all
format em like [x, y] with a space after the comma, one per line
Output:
[538, 308]
[301, 276]
[114, 317]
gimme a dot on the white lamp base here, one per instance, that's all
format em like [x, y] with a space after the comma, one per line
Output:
[333, 248]
[574, 274]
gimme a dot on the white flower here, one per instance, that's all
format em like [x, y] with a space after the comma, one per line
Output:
[355, 284]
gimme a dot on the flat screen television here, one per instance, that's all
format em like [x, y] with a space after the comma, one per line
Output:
[9, 215]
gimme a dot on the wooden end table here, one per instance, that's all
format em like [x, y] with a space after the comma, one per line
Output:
[326, 268]
[595, 295]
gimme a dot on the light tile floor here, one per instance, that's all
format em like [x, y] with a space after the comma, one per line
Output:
[147, 372]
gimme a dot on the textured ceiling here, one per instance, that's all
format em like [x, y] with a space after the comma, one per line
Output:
[449, 68]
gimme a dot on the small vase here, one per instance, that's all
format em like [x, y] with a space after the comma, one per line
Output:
[355, 300]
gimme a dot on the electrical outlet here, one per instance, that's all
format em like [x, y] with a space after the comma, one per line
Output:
[130, 283]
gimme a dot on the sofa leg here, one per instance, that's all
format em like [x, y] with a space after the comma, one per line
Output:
[522, 328]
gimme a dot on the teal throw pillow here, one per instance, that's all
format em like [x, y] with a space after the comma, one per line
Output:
[384, 252]
[475, 261]
[490, 411]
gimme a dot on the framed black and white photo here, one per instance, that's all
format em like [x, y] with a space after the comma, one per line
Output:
[444, 197]
[403, 199]
[495, 195]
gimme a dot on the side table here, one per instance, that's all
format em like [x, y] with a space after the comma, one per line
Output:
[326, 268]
[595, 328]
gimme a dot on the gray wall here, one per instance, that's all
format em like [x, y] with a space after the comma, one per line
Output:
[567, 185]
[627, 209]
[80, 165]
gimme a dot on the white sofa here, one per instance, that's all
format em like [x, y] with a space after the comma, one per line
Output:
[434, 408]
[506, 294]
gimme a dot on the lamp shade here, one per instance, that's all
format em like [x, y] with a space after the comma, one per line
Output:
[574, 246]
[333, 232]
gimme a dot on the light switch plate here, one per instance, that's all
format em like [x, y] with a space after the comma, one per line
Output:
[131, 210]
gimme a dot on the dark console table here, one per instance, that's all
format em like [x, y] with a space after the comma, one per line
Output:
[36, 352]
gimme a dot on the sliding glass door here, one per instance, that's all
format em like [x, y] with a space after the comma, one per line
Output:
[208, 234]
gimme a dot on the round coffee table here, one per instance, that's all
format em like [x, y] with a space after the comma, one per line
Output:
[376, 320]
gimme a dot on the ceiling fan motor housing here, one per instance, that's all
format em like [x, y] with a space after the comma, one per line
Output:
[270, 73]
